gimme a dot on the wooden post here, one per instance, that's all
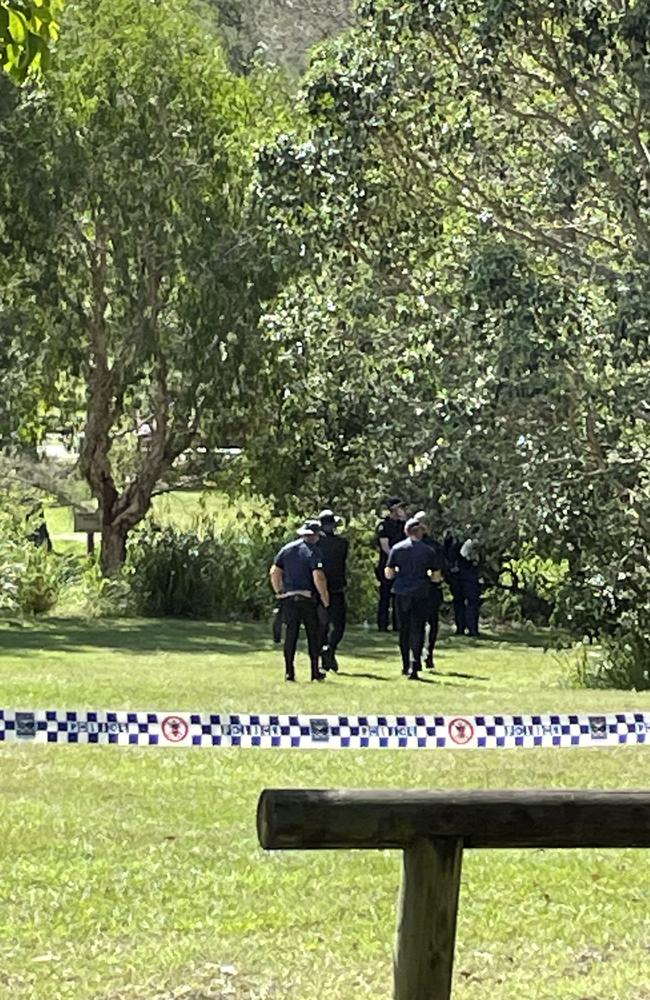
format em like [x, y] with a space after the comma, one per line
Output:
[90, 543]
[426, 927]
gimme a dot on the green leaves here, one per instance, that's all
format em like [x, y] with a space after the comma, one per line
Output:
[470, 197]
[28, 28]
[134, 240]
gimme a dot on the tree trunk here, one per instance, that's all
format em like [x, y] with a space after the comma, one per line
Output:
[113, 551]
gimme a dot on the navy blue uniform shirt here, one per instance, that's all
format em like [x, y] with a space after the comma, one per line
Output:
[297, 560]
[412, 559]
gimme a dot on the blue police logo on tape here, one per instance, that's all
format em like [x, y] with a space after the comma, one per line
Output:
[25, 725]
[598, 727]
[319, 730]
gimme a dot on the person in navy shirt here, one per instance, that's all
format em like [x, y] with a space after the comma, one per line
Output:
[412, 566]
[299, 581]
[435, 591]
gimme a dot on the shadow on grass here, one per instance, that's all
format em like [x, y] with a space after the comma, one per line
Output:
[370, 677]
[464, 677]
[537, 638]
[137, 636]
[147, 636]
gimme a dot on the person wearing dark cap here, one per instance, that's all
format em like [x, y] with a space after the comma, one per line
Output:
[390, 530]
[334, 552]
[413, 566]
[435, 591]
[299, 581]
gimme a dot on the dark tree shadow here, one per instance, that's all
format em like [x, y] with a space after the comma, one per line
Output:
[542, 638]
[370, 677]
[137, 636]
[465, 677]
[148, 636]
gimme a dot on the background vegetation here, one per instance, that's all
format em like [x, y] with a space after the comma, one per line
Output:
[334, 254]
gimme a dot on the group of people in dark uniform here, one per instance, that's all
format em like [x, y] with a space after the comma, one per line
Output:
[308, 577]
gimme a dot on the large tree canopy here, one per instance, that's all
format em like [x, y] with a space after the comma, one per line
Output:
[135, 248]
[484, 168]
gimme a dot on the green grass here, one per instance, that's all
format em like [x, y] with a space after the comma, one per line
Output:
[136, 874]
[178, 507]
[181, 508]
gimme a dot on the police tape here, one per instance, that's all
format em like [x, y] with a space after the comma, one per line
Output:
[331, 732]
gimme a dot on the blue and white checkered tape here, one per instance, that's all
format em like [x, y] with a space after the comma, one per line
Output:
[327, 732]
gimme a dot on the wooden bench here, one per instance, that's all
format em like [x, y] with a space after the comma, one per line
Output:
[432, 829]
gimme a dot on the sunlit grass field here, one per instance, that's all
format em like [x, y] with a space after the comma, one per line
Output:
[136, 873]
[178, 507]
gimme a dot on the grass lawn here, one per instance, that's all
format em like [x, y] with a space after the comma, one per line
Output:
[136, 873]
[178, 507]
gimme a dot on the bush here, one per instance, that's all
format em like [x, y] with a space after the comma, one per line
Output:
[527, 589]
[362, 582]
[623, 664]
[204, 572]
[32, 578]
[176, 573]
[222, 572]
[89, 593]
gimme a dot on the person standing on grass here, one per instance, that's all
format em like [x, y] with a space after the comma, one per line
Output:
[435, 592]
[462, 573]
[298, 580]
[390, 530]
[334, 551]
[412, 566]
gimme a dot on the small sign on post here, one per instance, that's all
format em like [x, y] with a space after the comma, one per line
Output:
[87, 522]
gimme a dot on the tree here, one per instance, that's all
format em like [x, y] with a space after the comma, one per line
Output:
[27, 30]
[137, 246]
[489, 163]
[279, 31]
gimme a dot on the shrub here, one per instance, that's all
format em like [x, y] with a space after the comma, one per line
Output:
[205, 572]
[32, 578]
[176, 573]
[623, 663]
[362, 582]
[89, 593]
[220, 572]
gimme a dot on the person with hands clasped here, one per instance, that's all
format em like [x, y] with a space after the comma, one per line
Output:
[299, 581]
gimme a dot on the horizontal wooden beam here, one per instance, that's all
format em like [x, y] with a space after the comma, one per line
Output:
[312, 819]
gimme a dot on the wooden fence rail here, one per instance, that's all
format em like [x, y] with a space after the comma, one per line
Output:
[432, 829]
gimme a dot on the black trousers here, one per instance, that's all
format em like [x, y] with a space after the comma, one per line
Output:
[336, 620]
[386, 606]
[466, 593]
[412, 615]
[435, 603]
[301, 611]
